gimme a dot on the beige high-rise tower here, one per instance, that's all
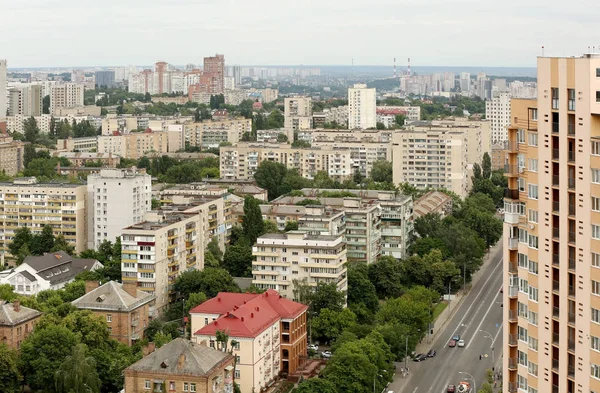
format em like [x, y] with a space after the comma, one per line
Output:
[552, 233]
[2, 89]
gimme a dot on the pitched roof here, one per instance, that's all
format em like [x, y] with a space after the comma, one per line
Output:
[248, 318]
[197, 360]
[58, 267]
[112, 296]
[10, 317]
[223, 302]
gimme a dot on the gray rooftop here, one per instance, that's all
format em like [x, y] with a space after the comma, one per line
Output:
[197, 360]
[10, 317]
[112, 296]
[59, 266]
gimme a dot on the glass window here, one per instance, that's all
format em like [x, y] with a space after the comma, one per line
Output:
[595, 343]
[533, 215]
[595, 148]
[595, 371]
[532, 368]
[533, 267]
[595, 175]
[523, 358]
[147, 384]
[533, 293]
[533, 343]
[595, 204]
[533, 139]
[533, 241]
[595, 315]
[532, 191]
[595, 231]
[595, 259]
[596, 287]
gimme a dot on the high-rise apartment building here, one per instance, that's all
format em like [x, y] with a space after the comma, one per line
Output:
[2, 89]
[27, 203]
[117, 199]
[552, 232]
[362, 107]
[215, 66]
[296, 255]
[26, 101]
[11, 155]
[465, 82]
[66, 95]
[298, 113]
[497, 111]
[105, 78]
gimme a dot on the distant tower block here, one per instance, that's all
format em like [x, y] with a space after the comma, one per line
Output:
[394, 67]
[409, 66]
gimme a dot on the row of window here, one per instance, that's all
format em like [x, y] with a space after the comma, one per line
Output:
[158, 386]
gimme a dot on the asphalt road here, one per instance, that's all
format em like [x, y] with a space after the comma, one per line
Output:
[480, 311]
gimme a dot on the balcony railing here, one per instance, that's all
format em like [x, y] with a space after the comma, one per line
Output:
[513, 291]
[556, 233]
[571, 209]
[571, 344]
[556, 312]
[572, 318]
[571, 264]
[555, 127]
[555, 285]
[512, 146]
[555, 338]
[571, 291]
[571, 371]
[512, 267]
[511, 170]
[512, 363]
[512, 387]
[555, 364]
[572, 236]
[512, 339]
[555, 154]
[513, 243]
[511, 193]
[555, 180]
[571, 182]
[512, 316]
[571, 129]
[555, 389]
[556, 206]
[571, 156]
[555, 260]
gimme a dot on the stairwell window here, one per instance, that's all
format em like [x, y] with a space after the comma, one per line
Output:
[595, 259]
[595, 204]
[595, 148]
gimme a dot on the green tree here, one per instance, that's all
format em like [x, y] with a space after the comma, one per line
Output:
[425, 245]
[405, 311]
[387, 275]
[43, 242]
[253, 224]
[316, 385]
[237, 259]
[210, 260]
[329, 324]
[7, 293]
[380, 126]
[194, 300]
[301, 144]
[282, 138]
[77, 373]
[270, 175]
[427, 225]
[89, 328]
[214, 248]
[476, 172]
[270, 227]
[29, 154]
[31, 130]
[61, 244]
[161, 339]
[486, 166]
[10, 378]
[399, 120]
[382, 171]
[327, 296]
[275, 120]
[209, 281]
[302, 291]
[360, 289]
[358, 177]
[22, 236]
[291, 226]
[43, 352]
[46, 105]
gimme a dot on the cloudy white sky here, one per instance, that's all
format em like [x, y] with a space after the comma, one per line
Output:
[38, 33]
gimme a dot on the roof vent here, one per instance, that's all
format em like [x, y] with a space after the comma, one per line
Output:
[257, 308]
[251, 315]
[242, 319]
[101, 298]
[163, 365]
[219, 299]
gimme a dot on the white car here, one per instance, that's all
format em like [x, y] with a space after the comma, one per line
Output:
[461, 343]
[314, 347]
[326, 355]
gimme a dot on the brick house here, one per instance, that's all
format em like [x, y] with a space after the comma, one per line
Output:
[16, 322]
[181, 366]
[269, 329]
[123, 306]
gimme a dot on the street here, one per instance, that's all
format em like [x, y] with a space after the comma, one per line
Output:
[478, 321]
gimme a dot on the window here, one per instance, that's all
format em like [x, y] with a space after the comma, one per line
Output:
[532, 191]
[533, 241]
[523, 358]
[595, 315]
[108, 318]
[205, 321]
[597, 96]
[596, 287]
[192, 387]
[521, 136]
[185, 387]
[595, 148]
[533, 138]
[554, 98]
[595, 259]
[595, 342]
[597, 72]
[522, 309]
[522, 334]
[523, 236]
[595, 231]
[533, 215]
[237, 359]
[534, 114]
[532, 368]
[523, 260]
[147, 384]
[522, 381]
[523, 285]
[531, 390]
[533, 267]
[595, 204]
[595, 371]
[212, 344]
[236, 345]
[521, 183]
[533, 343]
[533, 164]
[595, 175]
[237, 374]
[533, 318]
[533, 293]
[172, 386]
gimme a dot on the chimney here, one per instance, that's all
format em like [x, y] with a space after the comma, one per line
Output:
[130, 288]
[17, 305]
[148, 349]
[91, 285]
[181, 361]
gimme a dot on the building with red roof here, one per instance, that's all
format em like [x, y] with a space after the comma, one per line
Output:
[269, 331]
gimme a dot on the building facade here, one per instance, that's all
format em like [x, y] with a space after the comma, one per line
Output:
[105, 78]
[210, 132]
[552, 232]
[298, 113]
[11, 155]
[362, 107]
[26, 101]
[497, 111]
[16, 323]
[117, 199]
[65, 95]
[134, 145]
[3, 86]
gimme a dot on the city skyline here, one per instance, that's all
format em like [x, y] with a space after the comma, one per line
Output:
[244, 33]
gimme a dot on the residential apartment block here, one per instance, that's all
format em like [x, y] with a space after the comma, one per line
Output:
[134, 145]
[27, 203]
[11, 155]
[156, 251]
[86, 144]
[242, 160]
[65, 95]
[3, 95]
[16, 323]
[362, 106]
[117, 198]
[298, 113]
[26, 101]
[387, 114]
[280, 259]
[497, 111]
[552, 232]
[270, 332]
[125, 309]
[211, 133]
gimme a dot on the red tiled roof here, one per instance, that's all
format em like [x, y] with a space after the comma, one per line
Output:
[391, 112]
[249, 314]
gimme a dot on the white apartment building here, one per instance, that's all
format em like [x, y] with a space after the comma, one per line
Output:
[209, 132]
[26, 101]
[362, 155]
[362, 105]
[3, 102]
[338, 114]
[497, 112]
[66, 95]
[281, 258]
[242, 161]
[298, 113]
[134, 145]
[387, 114]
[157, 250]
[117, 199]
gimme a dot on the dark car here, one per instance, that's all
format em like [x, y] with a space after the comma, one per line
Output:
[451, 389]
[431, 353]
[420, 357]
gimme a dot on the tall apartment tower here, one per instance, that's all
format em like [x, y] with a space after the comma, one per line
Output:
[298, 113]
[497, 111]
[26, 101]
[362, 107]
[105, 78]
[66, 95]
[160, 72]
[118, 198]
[2, 89]
[552, 232]
[215, 65]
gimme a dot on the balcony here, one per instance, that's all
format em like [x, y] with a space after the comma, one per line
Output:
[510, 193]
[556, 233]
[555, 180]
[555, 338]
[512, 340]
[512, 146]
[556, 207]
[571, 372]
[571, 291]
[571, 183]
[572, 264]
[571, 210]
[571, 345]
[555, 389]
[555, 286]
[571, 129]
[572, 237]
[512, 316]
[513, 291]
[513, 243]
[555, 365]
[511, 170]
[555, 128]
[555, 260]
[555, 154]
[512, 267]
[572, 318]
[512, 363]
[556, 312]
[571, 156]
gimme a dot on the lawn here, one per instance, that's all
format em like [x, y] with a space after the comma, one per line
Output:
[438, 309]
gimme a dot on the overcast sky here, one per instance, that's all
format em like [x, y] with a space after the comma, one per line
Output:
[40, 33]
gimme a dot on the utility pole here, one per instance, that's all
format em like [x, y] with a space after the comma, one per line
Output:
[406, 354]
[465, 277]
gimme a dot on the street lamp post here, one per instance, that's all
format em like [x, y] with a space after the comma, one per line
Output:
[464, 276]
[489, 335]
[375, 379]
[472, 379]
[406, 354]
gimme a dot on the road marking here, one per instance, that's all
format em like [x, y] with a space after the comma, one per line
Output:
[473, 303]
[415, 391]
[446, 386]
[481, 323]
[496, 336]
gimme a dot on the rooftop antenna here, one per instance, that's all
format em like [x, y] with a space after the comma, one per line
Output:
[542, 50]
[394, 67]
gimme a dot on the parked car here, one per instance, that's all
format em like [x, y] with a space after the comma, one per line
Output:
[451, 389]
[454, 340]
[314, 347]
[456, 337]
[461, 343]
[452, 343]
[431, 353]
[420, 357]
[326, 354]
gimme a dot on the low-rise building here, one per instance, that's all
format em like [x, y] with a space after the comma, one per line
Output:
[125, 309]
[79, 159]
[282, 258]
[86, 144]
[272, 136]
[387, 114]
[49, 271]
[499, 156]
[269, 332]
[16, 323]
[181, 366]
[134, 145]
[433, 202]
